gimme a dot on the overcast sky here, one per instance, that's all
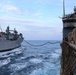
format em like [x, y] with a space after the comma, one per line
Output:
[36, 19]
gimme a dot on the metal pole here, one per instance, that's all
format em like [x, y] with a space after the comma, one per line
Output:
[1, 28]
[63, 8]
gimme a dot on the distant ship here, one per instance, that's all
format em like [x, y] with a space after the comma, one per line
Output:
[10, 39]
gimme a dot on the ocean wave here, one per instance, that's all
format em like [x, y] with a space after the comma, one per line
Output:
[10, 53]
[4, 62]
[31, 61]
[17, 66]
[48, 69]
[36, 60]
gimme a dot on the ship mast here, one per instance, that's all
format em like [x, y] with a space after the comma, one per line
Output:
[63, 8]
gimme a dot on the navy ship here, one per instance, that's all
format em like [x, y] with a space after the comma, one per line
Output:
[68, 45]
[10, 39]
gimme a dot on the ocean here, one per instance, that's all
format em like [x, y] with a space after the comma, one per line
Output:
[32, 59]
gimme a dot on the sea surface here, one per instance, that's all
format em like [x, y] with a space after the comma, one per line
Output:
[33, 59]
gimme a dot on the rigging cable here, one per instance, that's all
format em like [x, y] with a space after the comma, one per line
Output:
[42, 44]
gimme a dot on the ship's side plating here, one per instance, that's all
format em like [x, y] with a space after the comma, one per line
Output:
[6, 45]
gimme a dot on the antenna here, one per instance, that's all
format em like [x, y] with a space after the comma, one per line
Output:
[63, 8]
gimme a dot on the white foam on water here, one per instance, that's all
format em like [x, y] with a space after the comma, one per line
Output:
[48, 69]
[18, 52]
[10, 53]
[58, 51]
[6, 55]
[17, 66]
[38, 72]
[4, 62]
[56, 54]
[34, 60]
[21, 58]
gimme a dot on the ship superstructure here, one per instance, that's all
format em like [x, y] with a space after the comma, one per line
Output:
[10, 39]
[69, 23]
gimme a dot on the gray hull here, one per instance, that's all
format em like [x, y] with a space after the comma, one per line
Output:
[6, 45]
